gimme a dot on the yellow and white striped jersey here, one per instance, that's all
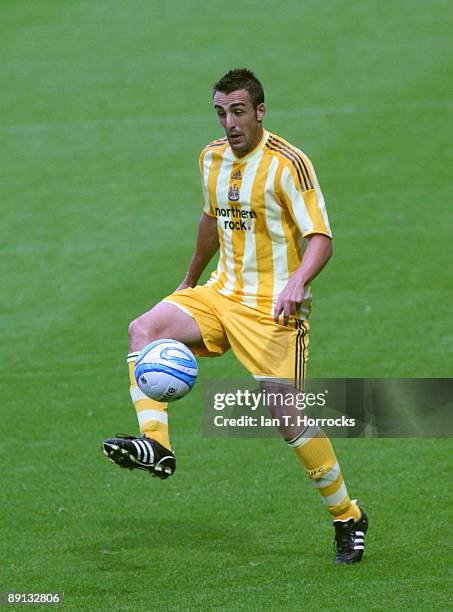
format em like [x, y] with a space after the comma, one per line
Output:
[266, 204]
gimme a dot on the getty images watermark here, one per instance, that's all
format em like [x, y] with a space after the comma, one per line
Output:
[341, 407]
[287, 409]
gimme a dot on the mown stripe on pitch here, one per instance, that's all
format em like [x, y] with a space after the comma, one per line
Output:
[297, 155]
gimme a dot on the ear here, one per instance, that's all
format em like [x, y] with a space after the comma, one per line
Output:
[260, 112]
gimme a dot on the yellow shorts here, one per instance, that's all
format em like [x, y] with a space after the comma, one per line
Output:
[266, 349]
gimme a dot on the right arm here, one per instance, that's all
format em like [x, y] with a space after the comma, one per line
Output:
[207, 245]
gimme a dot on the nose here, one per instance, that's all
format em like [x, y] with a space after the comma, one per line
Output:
[230, 120]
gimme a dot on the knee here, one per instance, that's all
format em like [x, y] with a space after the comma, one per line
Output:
[145, 329]
[138, 329]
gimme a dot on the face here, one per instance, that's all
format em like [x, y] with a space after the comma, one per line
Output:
[240, 120]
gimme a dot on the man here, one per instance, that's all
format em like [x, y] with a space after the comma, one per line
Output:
[264, 208]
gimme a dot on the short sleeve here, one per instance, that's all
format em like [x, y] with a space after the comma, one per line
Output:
[304, 199]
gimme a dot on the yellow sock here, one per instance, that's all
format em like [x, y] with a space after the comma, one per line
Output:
[152, 416]
[316, 454]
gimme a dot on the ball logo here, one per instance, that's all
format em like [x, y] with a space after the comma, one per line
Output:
[165, 370]
[178, 356]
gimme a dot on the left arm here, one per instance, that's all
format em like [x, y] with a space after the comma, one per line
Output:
[317, 254]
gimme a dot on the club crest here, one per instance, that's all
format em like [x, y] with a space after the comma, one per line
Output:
[233, 193]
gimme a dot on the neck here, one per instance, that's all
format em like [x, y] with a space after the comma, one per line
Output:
[255, 143]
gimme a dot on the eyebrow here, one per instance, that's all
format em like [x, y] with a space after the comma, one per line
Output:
[234, 104]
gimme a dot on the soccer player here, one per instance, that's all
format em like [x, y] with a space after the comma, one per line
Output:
[264, 209]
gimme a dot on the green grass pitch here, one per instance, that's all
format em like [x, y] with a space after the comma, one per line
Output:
[104, 108]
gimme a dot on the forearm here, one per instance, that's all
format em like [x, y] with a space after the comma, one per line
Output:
[206, 246]
[317, 254]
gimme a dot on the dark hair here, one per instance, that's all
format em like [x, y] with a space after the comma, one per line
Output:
[241, 78]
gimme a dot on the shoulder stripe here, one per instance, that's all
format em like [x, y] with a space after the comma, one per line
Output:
[281, 143]
[297, 168]
[216, 143]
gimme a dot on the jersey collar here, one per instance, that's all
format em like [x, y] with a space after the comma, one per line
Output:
[254, 152]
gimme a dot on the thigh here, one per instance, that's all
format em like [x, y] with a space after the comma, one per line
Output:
[167, 321]
[196, 304]
[268, 349]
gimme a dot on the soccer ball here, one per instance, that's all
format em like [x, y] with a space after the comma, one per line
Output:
[166, 370]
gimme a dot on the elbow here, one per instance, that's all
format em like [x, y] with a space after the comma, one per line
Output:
[329, 250]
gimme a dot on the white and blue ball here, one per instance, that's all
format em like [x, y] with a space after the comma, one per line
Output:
[166, 370]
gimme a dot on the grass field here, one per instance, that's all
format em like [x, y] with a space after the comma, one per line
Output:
[104, 108]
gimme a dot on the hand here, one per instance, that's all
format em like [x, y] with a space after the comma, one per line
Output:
[289, 299]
